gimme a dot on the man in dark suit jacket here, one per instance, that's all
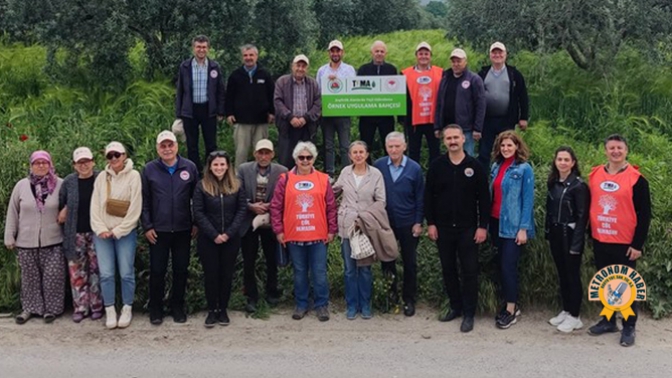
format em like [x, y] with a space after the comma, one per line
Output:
[200, 98]
[259, 178]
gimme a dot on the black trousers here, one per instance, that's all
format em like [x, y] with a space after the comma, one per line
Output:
[177, 246]
[209, 129]
[492, 126]
[569, 268]
[415, 135]
[286, 144]
[219, 263]
[367, 133]
[250, 249]
[409, 257]
[609, 254]
[454, 245]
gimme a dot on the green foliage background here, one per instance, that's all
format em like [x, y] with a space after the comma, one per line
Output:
[569, 106]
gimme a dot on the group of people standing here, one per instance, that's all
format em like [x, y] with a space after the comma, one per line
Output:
[291, 208]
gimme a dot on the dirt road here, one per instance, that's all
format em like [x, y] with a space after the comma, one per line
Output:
[386, 346]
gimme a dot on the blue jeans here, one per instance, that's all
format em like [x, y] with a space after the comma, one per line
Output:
[469, 143]
[120, 252]
[314, 258]
[358, 281]
[330, 127]
[508, 255]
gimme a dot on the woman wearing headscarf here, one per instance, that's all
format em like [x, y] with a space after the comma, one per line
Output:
[32, 229]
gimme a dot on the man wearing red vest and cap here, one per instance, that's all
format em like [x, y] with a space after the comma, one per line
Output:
[422, 81]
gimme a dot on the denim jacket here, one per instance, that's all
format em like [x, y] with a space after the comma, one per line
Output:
[517, 199]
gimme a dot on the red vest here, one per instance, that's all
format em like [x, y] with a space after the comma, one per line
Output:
[612, 212]
[423, 88]
[305, 213]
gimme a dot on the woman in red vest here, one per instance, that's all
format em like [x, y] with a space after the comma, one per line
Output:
[303, 216]
[620, 215]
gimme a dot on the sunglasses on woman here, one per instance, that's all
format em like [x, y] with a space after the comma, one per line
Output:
[216, 154]
[113, 155]
[305, 157]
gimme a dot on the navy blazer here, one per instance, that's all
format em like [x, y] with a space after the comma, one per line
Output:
[184, 107]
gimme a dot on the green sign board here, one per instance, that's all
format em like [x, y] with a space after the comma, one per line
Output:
[364, 96]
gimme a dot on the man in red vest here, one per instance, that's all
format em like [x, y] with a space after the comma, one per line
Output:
[422, 82]
[620, 215]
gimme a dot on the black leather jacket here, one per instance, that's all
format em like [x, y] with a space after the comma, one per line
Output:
[221, 214]
[567, 203]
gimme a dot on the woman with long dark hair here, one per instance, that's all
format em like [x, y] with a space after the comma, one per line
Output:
[219, 208]
[567, 205]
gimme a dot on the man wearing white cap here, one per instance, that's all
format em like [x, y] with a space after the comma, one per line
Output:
[249, 103]
[385, 124]
[75, 216]
[298, 105]
[461, 101]
[259, 178]
[422, 82]
[167, 187]
[335, 69]
[506, 98]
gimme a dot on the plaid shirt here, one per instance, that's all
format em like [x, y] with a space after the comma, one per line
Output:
[299, 103]
[199, 75]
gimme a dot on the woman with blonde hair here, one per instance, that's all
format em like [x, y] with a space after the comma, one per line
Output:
[511, 216]
[219, 209]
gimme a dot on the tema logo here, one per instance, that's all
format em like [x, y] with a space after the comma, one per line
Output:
[335, 85]
[363, 85]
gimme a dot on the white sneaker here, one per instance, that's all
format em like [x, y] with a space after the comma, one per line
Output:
[570, 324]
[556, 321]
[126, 316]
[110, 317]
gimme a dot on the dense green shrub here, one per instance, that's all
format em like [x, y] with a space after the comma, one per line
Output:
[569, 106]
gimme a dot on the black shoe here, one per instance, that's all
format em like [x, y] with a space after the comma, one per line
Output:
[604, 326]
[451, 315]
[155, 316]
[467, 324]
[299, 313]
[409, 309]
[211, 320]
[502, 312]
[179, 316]
[273, 300]
[322, 314]
[628, 336]
[251, 306]
[223, 318]
[507, 320]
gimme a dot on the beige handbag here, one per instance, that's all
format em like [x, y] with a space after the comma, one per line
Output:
[115, 207]
[360, 245]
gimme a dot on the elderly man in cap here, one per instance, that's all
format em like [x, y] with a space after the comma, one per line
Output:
[461, 101]
[385, 124]
[298, 105]
[507, 104]
[258, 179]
[335, 69]
[422, 82]
[249, 103]
[167, 187]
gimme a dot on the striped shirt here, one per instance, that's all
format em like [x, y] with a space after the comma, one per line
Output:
[299, 99]
[199, 75]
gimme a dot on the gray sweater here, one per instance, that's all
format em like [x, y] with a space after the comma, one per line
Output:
[25, 226]
[69, 196]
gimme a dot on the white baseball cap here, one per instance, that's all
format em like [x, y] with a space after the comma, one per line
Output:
[423, 45]
[82, 153]
[458, 53]
[165, 135]
[301, 58]
[497, 45]
[115, 147]
[335, 43]
[263, 144]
